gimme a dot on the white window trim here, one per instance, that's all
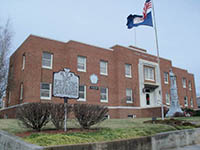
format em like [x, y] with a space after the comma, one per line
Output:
[46, 98]
[83, 99]
[184, 85]
[191, 102]
[85, 64]
[184, 101]
[48, 67]
[23, 61]
[166, 82]
[102, 73]
[130, 102]
[167, 103]
[21, 91]
[190, 85]
[148, 79]
[105, 101]
[130, 66]
[9, 97]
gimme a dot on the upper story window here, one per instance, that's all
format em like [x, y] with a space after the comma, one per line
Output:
[104, 94]
[128, 71]
[82, 93]
[190, 85]
[21, 91]
[47, 60]
[103, 67]
[81, 63]
[166, 75]
[184, 82]
[167, 97]
[23, 61]
[149, 73]
[185, 101]
[45, 91]
[129, 96]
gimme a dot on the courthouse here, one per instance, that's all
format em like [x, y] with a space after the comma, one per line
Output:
[126, 79]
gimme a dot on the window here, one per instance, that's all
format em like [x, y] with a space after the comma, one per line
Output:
[82, 93]
[166, 78]
[9, 97]
[103, 68]
[47, 60]
[191, 102]
[104, 94]
[167, 97]
[128, 71]
[81, 63]
[184, 82]
[23, 61]
[107, 116]
[130, 116]
[129, 97]
[190, 85]
[21, 91]
[149, 73]
[185, 101]
[45, 91]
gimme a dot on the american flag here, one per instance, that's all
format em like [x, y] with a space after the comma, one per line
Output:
[147, 5]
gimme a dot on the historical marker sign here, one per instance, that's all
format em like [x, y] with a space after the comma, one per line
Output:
[66, 84]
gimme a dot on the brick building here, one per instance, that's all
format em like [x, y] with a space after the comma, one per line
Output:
[129, 79]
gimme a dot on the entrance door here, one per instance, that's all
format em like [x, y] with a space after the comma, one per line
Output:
[148, 96]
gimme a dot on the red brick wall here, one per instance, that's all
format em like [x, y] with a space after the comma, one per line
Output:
[65, 56]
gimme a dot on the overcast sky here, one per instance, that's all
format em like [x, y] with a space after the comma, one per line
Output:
[103, 23]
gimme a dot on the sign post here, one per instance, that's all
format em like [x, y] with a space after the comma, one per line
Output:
[65, 85]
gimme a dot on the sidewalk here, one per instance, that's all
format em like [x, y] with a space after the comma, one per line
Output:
[192, 147]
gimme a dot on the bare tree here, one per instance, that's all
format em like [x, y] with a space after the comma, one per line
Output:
[5, 45]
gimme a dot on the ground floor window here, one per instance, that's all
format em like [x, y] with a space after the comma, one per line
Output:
[82, 93]
[104, 94]
[129, 97]
[45, 91]
[167, 97]
[185, 101]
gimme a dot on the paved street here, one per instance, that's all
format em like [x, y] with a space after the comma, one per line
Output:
[193, 147]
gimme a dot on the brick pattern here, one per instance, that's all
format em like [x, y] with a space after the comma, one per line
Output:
[65, 56]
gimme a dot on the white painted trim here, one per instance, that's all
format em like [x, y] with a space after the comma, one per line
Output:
[83, 99]
[51, 64]
[23, 61]
[106, 63]
[46, 98]
[129, 107]
[105, 101]
[85, 64]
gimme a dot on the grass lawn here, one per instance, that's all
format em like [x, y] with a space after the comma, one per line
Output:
[112, 129]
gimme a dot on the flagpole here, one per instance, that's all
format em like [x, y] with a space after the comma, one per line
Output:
[158, 58]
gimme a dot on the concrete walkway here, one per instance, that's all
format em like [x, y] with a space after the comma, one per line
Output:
[192, 147]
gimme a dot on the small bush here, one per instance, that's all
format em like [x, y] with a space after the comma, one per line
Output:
[189, 111]
[34, 115]
[88, 115]
[196, 113]
[58, 114]
[178, 114]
